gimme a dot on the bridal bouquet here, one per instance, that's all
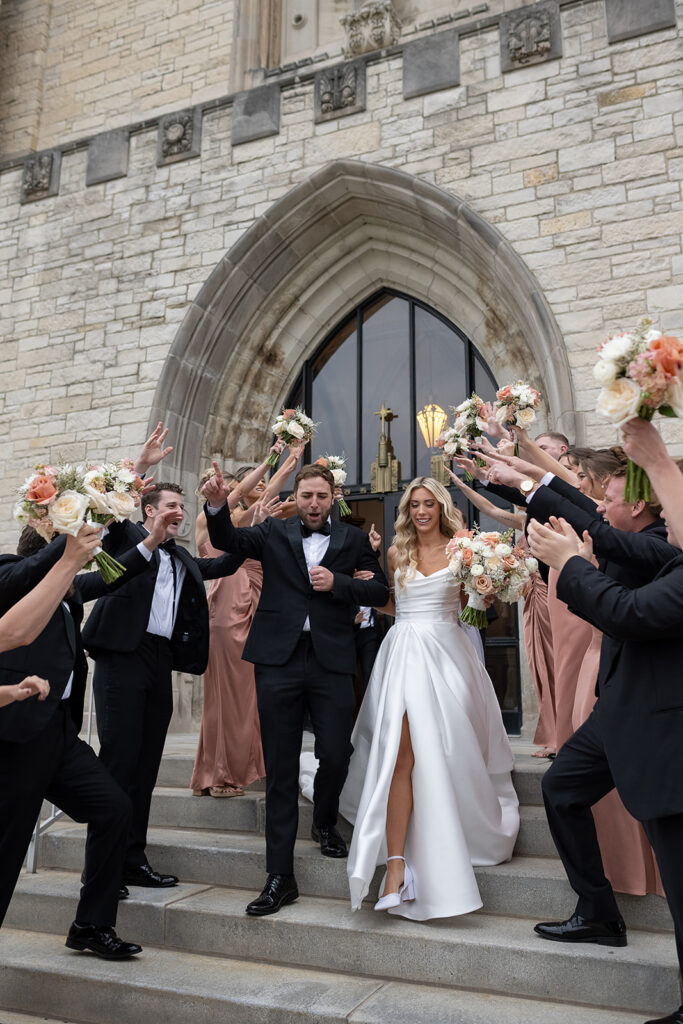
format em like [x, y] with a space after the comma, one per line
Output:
[61, 499]
[337, 467]
[469, 424]
[640, 373]
[451, 443]
[292, 425]
[486, 565]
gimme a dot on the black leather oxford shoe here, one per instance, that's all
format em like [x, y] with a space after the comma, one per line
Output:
[278, 891]
[145, 875]
[123, 892]
[331, 843]
[578, 929]
[674, 1018]
[103, 942]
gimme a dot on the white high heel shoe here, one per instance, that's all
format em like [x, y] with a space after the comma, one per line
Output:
[405, 893]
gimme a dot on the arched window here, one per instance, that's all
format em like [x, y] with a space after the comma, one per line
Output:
[395, 350]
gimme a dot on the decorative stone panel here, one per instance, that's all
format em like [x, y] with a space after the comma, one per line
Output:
[629, 18]
[179, 136]
[373, 27]
[530, 35]
[107, 157]
[431, 64]
[41, 176]
[256, 114]
[339, 90]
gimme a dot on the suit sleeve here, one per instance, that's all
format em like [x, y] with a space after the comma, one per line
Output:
[91, 585]
[20, 576]
[645, 614]
[574, 495]
[223, 565]
[247, 541]
[369, 593]
[510, 494]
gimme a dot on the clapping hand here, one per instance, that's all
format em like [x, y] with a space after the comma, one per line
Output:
[153, 450]
[215, 489]
[555, 542]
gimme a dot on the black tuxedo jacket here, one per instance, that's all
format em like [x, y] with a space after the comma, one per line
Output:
[58, 650]
[118, 622]
[515, 497]
[640, 709]
[288, 597]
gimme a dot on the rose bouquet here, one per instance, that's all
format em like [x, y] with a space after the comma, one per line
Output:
[487, 565]
[640, 373]
[61, 499]
[292, 425]
[469, 424]
[516, 406]
[337, 467]
[451, 443]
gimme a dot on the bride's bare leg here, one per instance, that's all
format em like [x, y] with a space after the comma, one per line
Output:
[399, 809]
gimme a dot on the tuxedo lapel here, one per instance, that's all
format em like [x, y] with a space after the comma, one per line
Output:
[337, 538]
[69, 627]
[293, 530]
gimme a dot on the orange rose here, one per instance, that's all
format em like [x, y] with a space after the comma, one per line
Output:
[667, 352]
[289, 413]
[41, 490]
[467, 556]
[464, 533]
[505, 392]
[321, 462]
[483, 585]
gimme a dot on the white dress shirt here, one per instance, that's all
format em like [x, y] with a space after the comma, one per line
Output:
[315, 548]
[164, 608]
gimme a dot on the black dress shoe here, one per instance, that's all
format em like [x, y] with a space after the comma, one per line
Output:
[123, 892]
[578, 929]
[278, 891]
[145, 875]
[331, 843]
[103, 942]
[674, 1018]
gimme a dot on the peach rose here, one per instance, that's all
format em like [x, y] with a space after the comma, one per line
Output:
[464, 533]
[467, 556]
[483, 585]
[41, 490]
[322, 461]
[289, 413]
[509, 562]
[504, 393]
[667, 352]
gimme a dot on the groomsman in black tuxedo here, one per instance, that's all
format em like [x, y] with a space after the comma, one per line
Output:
[41, 754]
[302, 645]
[633, 739]
[155, 624]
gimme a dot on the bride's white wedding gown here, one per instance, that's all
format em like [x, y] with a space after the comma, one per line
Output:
[465, 808]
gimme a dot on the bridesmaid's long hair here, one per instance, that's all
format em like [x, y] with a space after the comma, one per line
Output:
[405, 538]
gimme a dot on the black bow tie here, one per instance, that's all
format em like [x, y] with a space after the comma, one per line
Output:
[306, 531]
[169, 546]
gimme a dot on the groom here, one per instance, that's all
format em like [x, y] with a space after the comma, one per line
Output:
[302, 645]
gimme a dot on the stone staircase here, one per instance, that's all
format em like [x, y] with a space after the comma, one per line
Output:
[317, 962]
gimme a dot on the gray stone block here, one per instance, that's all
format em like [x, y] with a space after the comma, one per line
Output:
[339, 91]
[107, 157]
[179, 136]
[431, 64]
[40, 177]
[530, 35]
[256, 114]
[629, 18]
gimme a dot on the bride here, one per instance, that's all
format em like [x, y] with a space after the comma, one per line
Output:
[429, 785]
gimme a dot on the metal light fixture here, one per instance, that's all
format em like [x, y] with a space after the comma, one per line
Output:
[431, 420]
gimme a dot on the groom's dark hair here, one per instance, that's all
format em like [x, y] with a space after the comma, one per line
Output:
[315, 469]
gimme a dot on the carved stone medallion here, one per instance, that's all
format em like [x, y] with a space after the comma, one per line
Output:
[339, 90]
[373, 27]
[179, 136]
[41, 176]
[530, 35]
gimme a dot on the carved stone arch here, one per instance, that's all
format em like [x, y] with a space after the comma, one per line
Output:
[348, 230]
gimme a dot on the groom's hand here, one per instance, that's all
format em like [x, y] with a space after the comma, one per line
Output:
[321, 578]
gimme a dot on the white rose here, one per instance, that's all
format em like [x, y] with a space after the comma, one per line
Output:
[620, 401]
[339, 477]
[481, 424]
[502, 550]
[463, 406]
[295, 429]
[619, 347]
[476, 569]
[67, 512]
[121, 505]
[674, 396]
[502, 413]
[279, 426]
[451, 448]
[460, 426]
[652, 335]
[98, 499]
[605, 371]
[531, 564]
[124, 476]
[525, 417]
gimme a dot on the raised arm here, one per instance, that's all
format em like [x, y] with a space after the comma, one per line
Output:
[503, 516]
[644, 445]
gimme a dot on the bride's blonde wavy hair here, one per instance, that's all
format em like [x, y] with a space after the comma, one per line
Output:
[405, 538]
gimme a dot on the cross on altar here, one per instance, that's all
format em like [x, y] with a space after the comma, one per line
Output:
[385, 415]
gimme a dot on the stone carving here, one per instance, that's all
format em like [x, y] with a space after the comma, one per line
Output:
[178, 137]
[41, 176]
[339, 90]
[530, 35]
[373, 27]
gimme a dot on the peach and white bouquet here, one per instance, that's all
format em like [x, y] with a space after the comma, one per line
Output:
[337, 467]
[60, 499]
[641, 373]
[488, 564]
[294, 427]
[451, 443]
[469, 424]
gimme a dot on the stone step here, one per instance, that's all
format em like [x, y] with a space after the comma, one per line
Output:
[477, 951]
[534, 887]
[41, 976]
[9, 1017]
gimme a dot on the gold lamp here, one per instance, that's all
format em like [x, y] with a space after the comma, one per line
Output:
[431, 420]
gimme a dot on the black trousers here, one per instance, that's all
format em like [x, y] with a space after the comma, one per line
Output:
[367, 646]
[57, 765]
[578, 777]
[134, 703]
[284, 692]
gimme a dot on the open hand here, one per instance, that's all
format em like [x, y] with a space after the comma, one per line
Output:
[153, 450]
[266, 507]
[215, 489]
[158, 527]
[470, 466]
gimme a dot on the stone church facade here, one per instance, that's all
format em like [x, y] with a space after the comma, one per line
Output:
[193, 194]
